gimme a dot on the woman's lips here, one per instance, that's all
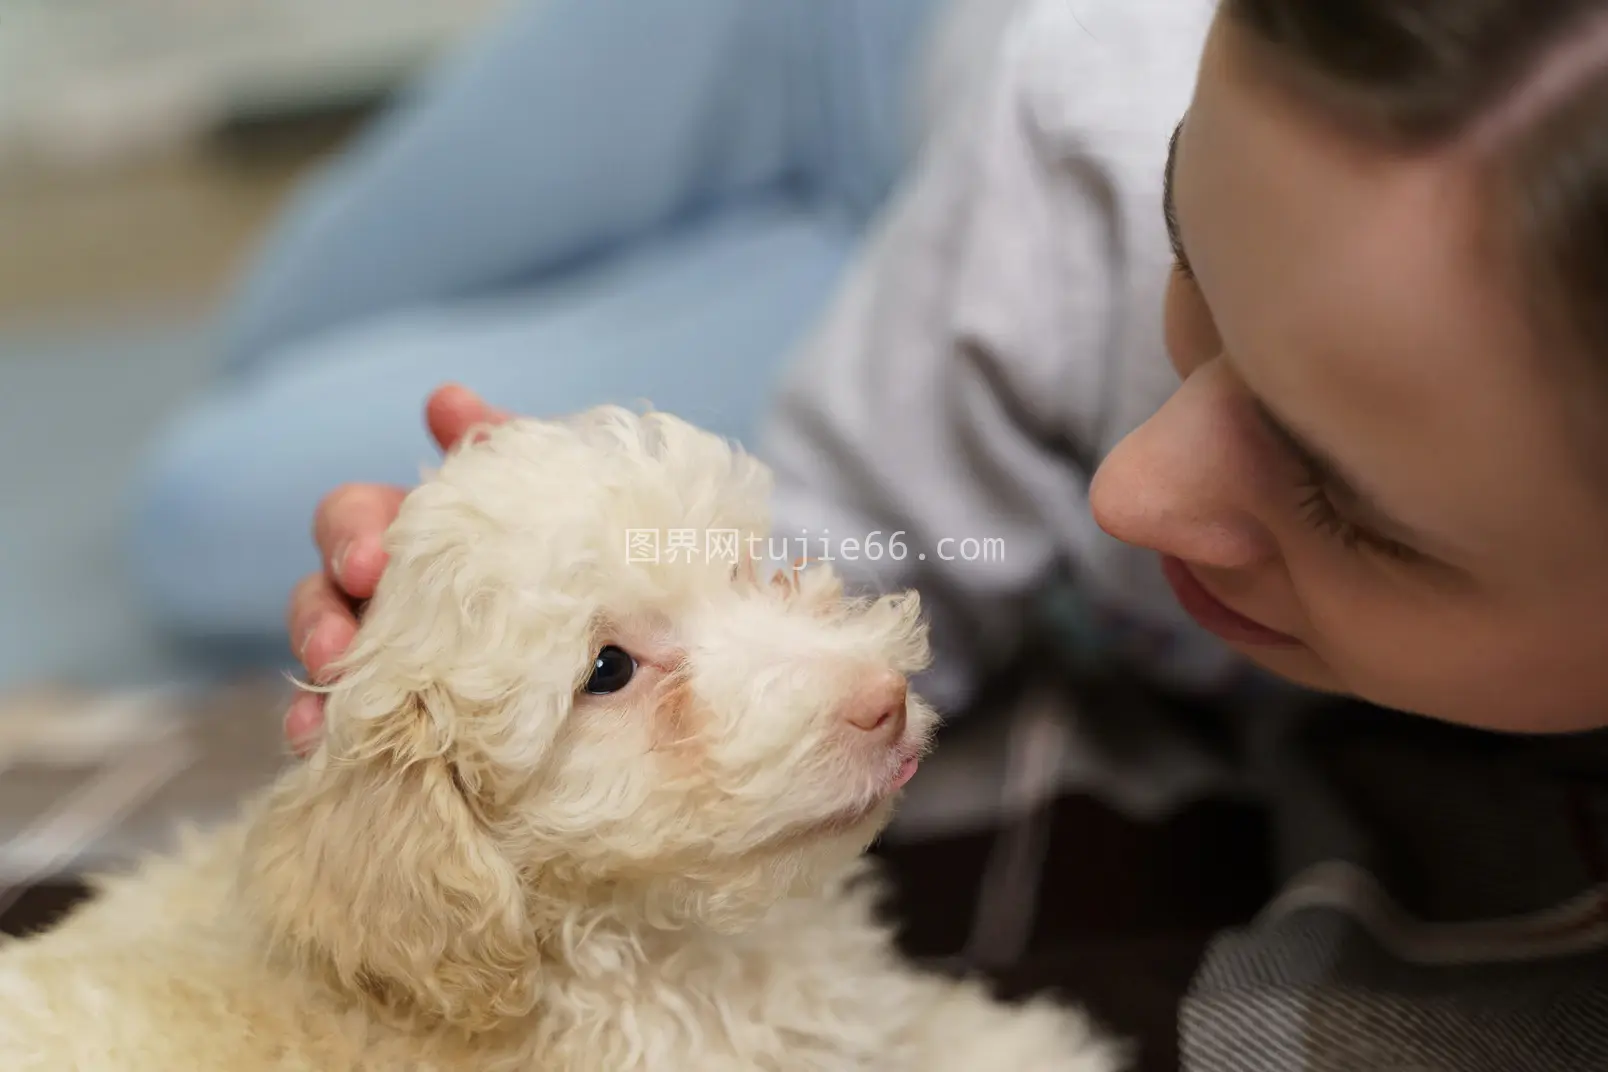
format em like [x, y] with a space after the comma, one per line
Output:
[1213, 614]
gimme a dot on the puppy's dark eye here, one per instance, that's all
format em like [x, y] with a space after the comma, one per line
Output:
[611, 671]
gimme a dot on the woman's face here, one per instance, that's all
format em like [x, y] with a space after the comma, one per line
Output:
[1367, 457]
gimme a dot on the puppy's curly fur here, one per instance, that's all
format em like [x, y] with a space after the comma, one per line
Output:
[578, 809]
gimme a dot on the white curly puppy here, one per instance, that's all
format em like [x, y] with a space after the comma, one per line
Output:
[579, 809]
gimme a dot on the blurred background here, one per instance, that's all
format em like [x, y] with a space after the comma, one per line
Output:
[145, 146]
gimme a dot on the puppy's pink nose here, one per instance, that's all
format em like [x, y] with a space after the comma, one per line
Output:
[877, 705]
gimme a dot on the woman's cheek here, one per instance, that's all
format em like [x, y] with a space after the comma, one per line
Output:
[1191, 336]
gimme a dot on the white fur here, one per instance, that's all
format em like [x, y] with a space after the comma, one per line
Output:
[486, 867]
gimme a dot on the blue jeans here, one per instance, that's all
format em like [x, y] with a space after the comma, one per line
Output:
[596, 201]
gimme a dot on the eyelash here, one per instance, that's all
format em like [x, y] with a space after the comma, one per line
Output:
[1320, 512]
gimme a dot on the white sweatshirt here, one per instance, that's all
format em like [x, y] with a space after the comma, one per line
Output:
[1001, 332]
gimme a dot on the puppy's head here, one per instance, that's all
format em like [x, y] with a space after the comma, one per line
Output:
[580, 694]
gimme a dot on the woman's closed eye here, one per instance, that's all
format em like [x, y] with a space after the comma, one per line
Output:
[1318, 508]
[1328, 501]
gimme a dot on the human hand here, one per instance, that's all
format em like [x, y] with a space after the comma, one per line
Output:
[349, 527]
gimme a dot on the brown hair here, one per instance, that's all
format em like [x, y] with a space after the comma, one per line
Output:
[1525, 79]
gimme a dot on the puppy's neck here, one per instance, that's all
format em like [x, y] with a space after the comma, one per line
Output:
[591, 931]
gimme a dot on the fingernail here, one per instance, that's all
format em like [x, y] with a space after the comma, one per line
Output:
[305, 641]
[338, 563]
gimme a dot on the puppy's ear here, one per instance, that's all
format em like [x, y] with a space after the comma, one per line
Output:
[373, 866]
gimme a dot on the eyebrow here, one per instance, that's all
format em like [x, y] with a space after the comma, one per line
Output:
[1169, 211]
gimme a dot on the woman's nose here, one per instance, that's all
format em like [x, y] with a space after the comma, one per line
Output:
[1184, 482]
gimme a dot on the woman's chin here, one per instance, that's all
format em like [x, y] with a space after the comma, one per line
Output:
[1298, 666]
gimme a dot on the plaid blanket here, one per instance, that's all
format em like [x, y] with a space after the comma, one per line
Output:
[90, 780]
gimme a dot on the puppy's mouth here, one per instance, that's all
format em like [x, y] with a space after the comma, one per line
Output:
[906, 771]
[903, 762]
